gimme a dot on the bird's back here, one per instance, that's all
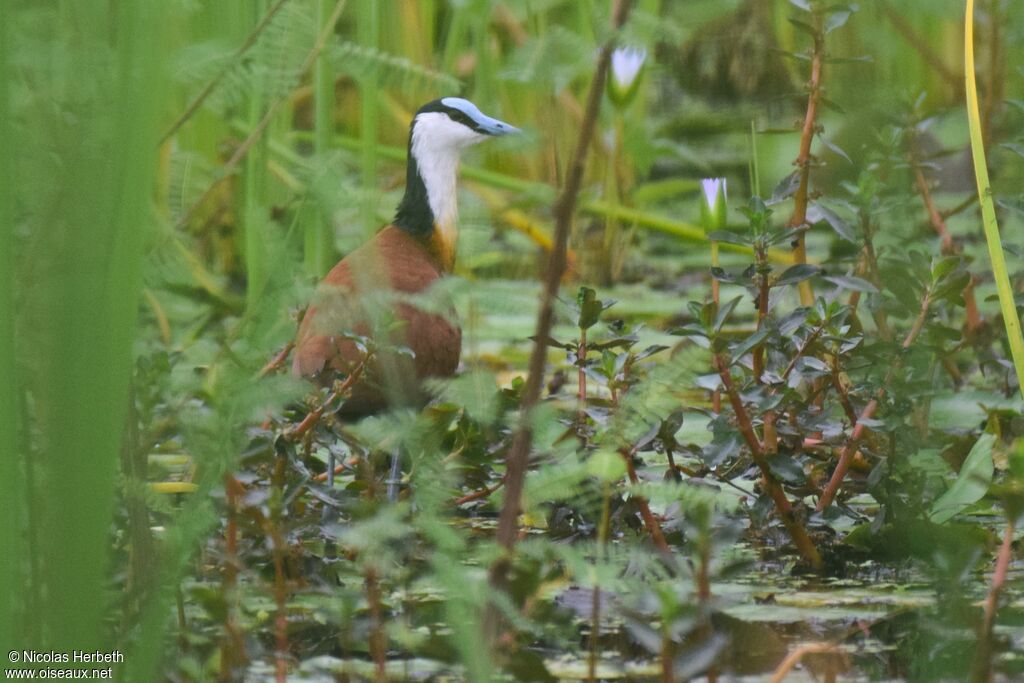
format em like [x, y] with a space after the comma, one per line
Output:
[354, 299]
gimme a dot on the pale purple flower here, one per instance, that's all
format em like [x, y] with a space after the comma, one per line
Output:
[711, 188]
[626, 64]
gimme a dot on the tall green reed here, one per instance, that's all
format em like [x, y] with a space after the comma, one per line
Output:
[82, 176]
[369, 37]
[988, 211]
[318, 229]
[254, 219]
[12, 485]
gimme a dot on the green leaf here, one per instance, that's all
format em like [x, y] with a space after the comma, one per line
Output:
[786, 187]
[606, 465]
[852, 283]
[797, 273]
[944, 266]
[836, 148]
[819, 213]
[590, 308]
[724, 311]
[1014, 147]
[749, 343]
[787, 469]
[837, 18]
[971, 484]
[729, 237]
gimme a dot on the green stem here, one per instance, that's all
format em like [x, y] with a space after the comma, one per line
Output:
[988, 211]
[594, 207]
[254, 179]
[369, 38]
[318, 228]
[12, 487]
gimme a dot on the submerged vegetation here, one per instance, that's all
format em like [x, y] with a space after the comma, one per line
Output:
[764, 426]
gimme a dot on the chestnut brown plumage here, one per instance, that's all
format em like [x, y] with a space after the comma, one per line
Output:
[403, 259]
[399, 263]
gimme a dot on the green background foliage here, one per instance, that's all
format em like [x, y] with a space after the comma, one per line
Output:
[176, 176]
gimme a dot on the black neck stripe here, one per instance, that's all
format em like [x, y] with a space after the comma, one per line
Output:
[414, 214]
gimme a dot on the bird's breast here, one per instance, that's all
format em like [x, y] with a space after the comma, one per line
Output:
[362, 295]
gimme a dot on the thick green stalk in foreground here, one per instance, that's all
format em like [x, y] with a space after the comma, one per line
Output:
[988, 210]
[82, 226]
[12, 489]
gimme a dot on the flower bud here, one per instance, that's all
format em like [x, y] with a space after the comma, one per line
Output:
[627, 63]
[713, 209]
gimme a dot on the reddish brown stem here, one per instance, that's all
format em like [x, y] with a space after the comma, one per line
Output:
[477, 495]
[281, 601]
[314, 416]
[949, 247]
[844, 397]
[277, 361]
[233, 649]
[762, 315]
[983, 663]
[804, 158]
[846, 455]
[667, 651]
[564, 209]
[653, 528]
[378, 639]
[518, 458]
[581, 359]
[338, 469]
[272, 527]
[785, 509]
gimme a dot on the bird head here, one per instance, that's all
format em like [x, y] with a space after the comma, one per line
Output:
[455, 123]
[439, 132]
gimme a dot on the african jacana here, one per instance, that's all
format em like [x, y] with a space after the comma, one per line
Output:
[405, 257]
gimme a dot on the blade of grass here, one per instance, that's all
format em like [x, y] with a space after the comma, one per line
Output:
[988, 211]
[254, 220]
[318, 227]
[12, 488]
[197, 102]
[96, 213]
[369, 38]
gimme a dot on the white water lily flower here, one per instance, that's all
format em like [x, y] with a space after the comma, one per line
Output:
[713, 209]
[627, 63]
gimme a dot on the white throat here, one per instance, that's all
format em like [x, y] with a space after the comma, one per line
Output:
[437, 142]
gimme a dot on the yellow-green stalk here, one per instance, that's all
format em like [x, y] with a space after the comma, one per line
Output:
[627, 67]
[988, 211]
[713, 216]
